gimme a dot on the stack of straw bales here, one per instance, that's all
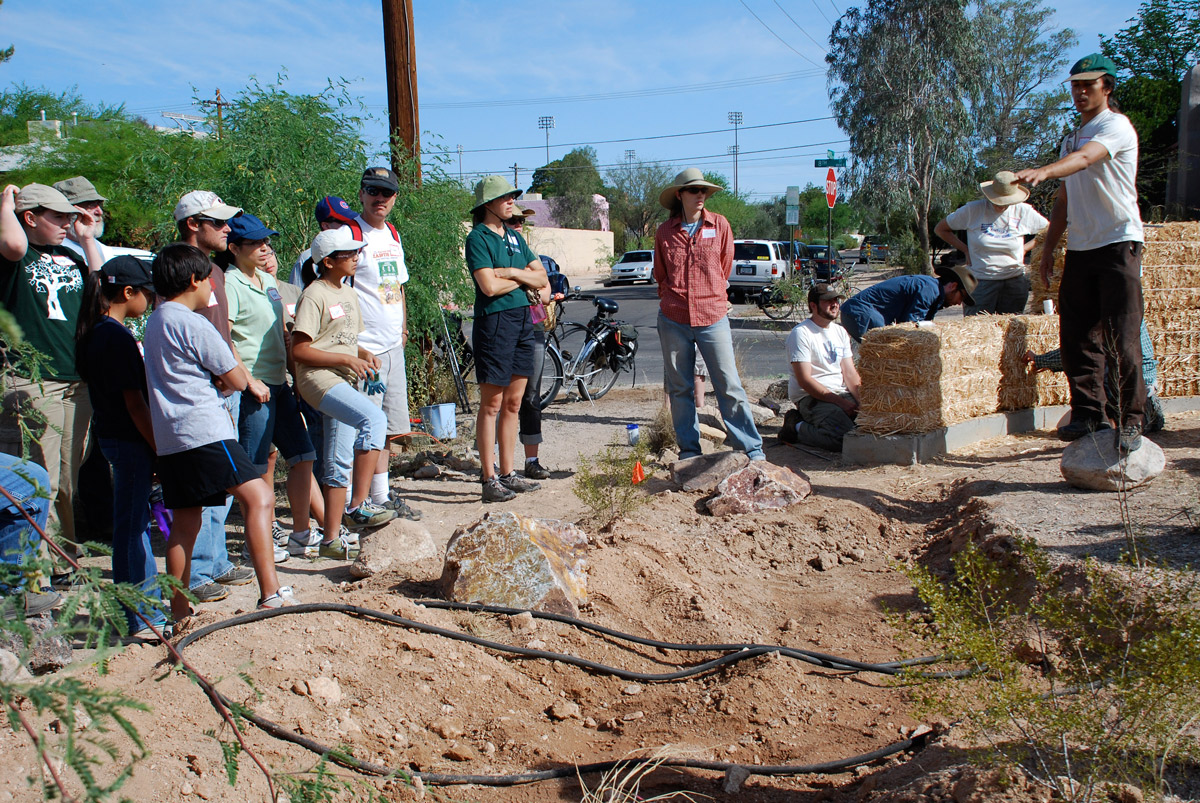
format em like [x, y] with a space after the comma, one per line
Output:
[1171, 289]
[1019, 388]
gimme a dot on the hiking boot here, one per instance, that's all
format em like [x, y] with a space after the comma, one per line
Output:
[366, 516]
[493, 491]
[518, 484]
[237, 576]
[210, 592]
[279, 534]
[403, 511]
[1129, 439]
[535, 470]
[787, 433]
[338, 550]
[31, 603]
[1083, 426]
[1155, 418]
[283, 598]
[305, 545]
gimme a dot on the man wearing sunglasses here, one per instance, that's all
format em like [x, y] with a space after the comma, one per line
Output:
[379, 280]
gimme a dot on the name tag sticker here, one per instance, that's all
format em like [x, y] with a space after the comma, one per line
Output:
[273, 294]
[212, 299]
[336, 312]
[708, 234]
[291, 309]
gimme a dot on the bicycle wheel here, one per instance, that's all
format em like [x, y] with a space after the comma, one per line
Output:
[597, 376]
[551, 380]
[776, 308]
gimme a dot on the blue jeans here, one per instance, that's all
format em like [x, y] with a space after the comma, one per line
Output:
[858, 319]
[132, 560]
[24, 480]
[210, 555]
[277, 421]
[715, 343]
[352, 424]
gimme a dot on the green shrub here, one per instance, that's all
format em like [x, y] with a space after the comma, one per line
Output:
[605, 482]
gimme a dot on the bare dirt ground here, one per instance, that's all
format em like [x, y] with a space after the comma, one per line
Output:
[417, 701]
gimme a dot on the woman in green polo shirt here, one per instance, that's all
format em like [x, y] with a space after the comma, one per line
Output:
[504, 335]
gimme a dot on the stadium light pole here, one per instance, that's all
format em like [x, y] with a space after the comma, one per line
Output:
[735, 118]
[546, 123]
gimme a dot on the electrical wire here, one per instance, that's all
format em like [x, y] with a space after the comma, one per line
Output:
[743, 651]
[777, 36]
[806, 33]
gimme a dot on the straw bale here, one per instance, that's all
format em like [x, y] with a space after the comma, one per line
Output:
[1039, 290]
[1171, 252]
[1173, 387]
[1174, 342]
[1171, 300]
[1170, 276]
[1019, 387]
[1188, 230]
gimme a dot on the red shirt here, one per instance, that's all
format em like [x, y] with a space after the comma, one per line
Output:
[693, 272]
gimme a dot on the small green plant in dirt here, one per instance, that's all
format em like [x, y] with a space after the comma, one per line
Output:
[1082, 678]
[605, 482]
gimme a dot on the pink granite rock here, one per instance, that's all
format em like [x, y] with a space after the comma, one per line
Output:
[519, 562]
[759, 486]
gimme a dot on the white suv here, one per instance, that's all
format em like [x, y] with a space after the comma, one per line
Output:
[757, 263]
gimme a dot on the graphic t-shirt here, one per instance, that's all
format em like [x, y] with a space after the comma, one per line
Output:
[996, 240]
[379, 280]
[43, 290]
[824, 349]
[183, 354]
[1102, 198]
[487, 249]
[330, 317]
[114, 365]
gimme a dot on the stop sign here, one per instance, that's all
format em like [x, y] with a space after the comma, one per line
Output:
[831, 187]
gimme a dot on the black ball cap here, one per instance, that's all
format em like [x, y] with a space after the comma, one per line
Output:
[127, 270]
[380, 177]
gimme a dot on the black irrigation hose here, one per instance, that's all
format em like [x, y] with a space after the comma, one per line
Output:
[440, 779]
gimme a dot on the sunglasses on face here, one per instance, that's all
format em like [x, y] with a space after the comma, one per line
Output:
[695, 190]
[375, 192]
[212, 221]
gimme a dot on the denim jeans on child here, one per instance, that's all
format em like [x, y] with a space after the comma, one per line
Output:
[352, 424]
[25, 481]
[132, 560]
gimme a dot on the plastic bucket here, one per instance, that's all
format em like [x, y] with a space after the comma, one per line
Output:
[439, 421]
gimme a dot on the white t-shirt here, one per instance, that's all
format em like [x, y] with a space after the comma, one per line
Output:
[996, 240]
[824, 349]
[379, 280]
[1102, 198]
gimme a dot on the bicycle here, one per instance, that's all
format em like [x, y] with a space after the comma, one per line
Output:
[588, 356]
[452, 348]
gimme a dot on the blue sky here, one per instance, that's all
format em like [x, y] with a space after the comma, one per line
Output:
[674, 68]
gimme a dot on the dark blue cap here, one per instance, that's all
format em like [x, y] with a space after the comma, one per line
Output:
[247, 227]
[333, 208]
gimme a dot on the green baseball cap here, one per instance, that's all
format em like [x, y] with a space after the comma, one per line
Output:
[1091, 67]
[490, 188]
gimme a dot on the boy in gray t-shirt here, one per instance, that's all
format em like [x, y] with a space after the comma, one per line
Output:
[188, 364]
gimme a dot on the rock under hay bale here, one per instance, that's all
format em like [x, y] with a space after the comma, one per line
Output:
[1019, 387]
[920, 378]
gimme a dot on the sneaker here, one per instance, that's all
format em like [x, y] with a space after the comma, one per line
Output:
[279, 534]
[306, 546]
[493, 491]
[1155, 419]
[32, 603]
[146, 633]
[281, 553]
[346, 534]
[535, 470]
[283, 598]
[366, 516]
[787, 433]
[237, 576]
[515, 482]
[1084, 426]
[210, 592]
[1129, 439]
[338, 549]
[403, 511]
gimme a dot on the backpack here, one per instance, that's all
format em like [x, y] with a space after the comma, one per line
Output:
[357, 231]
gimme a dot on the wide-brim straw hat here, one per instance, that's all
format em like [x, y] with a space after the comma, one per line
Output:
[1004, 189]
[490, 188]
[966, 280]
[691, 177]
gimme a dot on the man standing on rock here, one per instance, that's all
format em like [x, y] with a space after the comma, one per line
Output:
[1100, 297]
[823, 384]
[693, 256]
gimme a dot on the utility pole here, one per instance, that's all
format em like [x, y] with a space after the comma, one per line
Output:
[399, 47]
[220, 103]
[546, 123]
[516, 181]
[460, 150]
[736, 119]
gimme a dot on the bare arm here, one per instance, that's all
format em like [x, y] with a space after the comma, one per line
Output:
[304, 352]
[85, 234]
[851, 378]
[1054, 233]
[1070, 164]
[139, 411]
[943, 230]
[13, 242]
[235, 379]
[804, 378]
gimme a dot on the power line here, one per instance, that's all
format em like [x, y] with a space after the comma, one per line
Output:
[806, 33]
[777, 36]
[733, 83]
[821, 11]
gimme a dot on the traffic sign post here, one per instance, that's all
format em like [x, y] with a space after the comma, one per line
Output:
[831, 185]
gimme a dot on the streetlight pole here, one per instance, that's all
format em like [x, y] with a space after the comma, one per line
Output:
[736, 119]
[459, 148]
[546, 123]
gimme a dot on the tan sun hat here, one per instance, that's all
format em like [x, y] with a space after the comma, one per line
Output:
[1004, 190]
[691, 177]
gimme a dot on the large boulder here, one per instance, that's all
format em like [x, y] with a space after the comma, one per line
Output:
[402, 543]
[759, 486]
[519, 562]
[705, 472]
[1094, 463]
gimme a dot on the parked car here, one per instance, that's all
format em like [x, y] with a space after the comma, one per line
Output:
[874, 248]
[633, 266]
[558, 280]
[756, 264]
[822, 265]
[799, 255]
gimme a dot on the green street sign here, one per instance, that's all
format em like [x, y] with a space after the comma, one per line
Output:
[830, 162]
[830, 154]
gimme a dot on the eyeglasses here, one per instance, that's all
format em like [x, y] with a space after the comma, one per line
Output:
[375, 192]
[345, 255]
[212, 221]
[695, 190]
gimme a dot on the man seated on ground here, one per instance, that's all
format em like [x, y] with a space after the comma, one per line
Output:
[823, 384]
[908, 298]
[1155, 419]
